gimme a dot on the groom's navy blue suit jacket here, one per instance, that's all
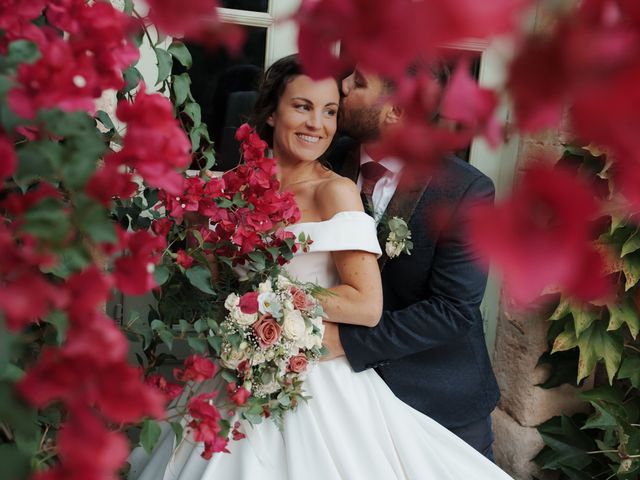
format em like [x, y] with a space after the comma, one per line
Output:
[429, 346]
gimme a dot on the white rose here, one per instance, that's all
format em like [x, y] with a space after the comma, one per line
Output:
[268, 303]
[243, 318]
[394, 249]
[309, 340]
[316, 321]
[257, 358]
[265, 287]
[232, 358]
[283, 282]
[293, 326]
[232, 301]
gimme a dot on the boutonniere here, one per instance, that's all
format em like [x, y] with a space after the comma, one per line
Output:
[397, 234]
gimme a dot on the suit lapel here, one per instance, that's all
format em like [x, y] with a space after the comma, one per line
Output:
[403, 204]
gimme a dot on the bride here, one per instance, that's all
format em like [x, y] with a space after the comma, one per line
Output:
[353, 427]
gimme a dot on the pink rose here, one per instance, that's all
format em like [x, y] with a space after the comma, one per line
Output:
[301, 300]
[298, 363]
[267, 330]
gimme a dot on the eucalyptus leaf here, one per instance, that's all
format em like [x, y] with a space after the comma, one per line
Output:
[197, 344]
[200, 277]
[181, 88]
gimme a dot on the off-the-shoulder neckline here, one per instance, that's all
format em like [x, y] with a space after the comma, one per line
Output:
[349, 212]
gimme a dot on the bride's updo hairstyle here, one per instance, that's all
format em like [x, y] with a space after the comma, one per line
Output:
[271, 89]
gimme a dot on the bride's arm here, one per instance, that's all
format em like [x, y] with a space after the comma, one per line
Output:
[358, 298]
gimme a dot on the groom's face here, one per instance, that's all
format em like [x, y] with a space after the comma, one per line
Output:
[363, 106]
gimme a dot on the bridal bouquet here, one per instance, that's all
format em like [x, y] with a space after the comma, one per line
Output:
[269, 340]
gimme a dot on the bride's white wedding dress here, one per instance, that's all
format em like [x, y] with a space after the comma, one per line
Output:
[353, 428]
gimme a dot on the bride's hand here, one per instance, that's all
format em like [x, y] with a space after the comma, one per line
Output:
[331, 340]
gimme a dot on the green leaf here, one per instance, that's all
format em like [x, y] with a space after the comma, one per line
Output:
[200, 325]
[104, 118]
[595, 344]
[631, 269]
[184, 326]
[583, 317]
[565, 340]
[197, 344]
[568, 443]
[181, 53]
[624, 312]
[216, 343]
[59, 320]
[157, 325]
[601, 419]
[21, 51]
[128, 7]
[150, 435]
[165, 62]
[167, 338]
[161, 274]
[15, 464]
[563, 368]
[630, 369]
[632, 244]
[193, 111]
[177, 430]
[132, 78]
[181, 88]
[91, 218]
[47, 221]
[200, 277]
[563, 309]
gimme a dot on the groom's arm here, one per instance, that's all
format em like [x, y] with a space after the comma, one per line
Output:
[457, 285]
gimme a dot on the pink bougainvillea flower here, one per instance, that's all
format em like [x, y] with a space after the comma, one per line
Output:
[133, 272]
[196, 368]
[15, 12]
[238, 395]
[8, 157]
[469, 105]
[154, 144]
[541, 236]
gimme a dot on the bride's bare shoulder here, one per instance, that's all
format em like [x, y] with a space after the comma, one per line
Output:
[337, 194]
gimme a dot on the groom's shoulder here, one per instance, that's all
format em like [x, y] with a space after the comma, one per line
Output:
[458, 179]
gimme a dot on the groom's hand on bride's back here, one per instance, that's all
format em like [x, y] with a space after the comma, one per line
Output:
[331, 340]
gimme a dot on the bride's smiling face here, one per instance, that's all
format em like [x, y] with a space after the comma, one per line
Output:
[305, 121]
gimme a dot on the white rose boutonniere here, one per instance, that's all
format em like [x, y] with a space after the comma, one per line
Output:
[398, 238]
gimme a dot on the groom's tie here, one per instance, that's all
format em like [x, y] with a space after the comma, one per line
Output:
[370, 173]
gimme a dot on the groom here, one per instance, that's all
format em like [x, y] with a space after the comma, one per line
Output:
[429, 346]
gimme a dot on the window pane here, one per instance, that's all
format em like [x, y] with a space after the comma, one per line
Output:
[253, 5]
[224, 87]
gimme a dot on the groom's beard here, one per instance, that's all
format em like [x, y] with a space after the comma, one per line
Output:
[360, 123]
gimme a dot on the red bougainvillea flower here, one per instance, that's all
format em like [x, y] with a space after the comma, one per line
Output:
[386, 37]
[133, 272]
[183, 259]
[196, 368]
[87, 449]
[111, 180]
[238, 395]
[87, 290]
[154, 144]
[104, 35]
[196, 20]
[91, 369]
[15, 12]
[169, 390]
[541, 236]
[18, 303]
[57, 80]
[205, 425]
[469, 105]
[8, 157]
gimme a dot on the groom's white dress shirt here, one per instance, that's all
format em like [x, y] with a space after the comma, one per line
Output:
[386, 186]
